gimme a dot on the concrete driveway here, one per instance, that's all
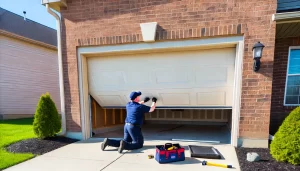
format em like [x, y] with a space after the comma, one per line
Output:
[87, 155]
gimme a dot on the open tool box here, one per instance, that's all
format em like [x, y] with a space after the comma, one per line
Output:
[169, 153]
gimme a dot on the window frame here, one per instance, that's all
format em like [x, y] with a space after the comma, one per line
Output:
[286, 77]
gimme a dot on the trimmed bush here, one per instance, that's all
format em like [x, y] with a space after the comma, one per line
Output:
[46, 118]
[286, 144]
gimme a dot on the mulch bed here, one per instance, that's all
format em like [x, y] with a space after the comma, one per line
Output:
[267, 163]
[38, 146]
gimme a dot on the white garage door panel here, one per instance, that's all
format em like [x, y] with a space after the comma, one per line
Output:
[173, 75]
[186, 79]
[180, 99]
[212, 98]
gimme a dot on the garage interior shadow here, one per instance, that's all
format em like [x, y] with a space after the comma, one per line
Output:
[200, 125]
[201, 133]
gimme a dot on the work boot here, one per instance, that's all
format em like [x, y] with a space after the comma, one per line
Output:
[121, 147]
[104, 144]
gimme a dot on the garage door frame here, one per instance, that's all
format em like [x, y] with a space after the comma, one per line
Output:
[84, 52]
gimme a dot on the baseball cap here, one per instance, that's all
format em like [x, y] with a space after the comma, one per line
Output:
[134, 95]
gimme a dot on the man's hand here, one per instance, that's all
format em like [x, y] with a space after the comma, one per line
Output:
[146, 99]
[154, 99]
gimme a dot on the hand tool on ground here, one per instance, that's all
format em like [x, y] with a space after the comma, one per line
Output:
[150, 156]
[204, 163]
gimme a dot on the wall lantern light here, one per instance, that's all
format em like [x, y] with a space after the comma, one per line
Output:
[257, 53]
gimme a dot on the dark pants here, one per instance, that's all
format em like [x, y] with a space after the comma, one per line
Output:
[133, 138]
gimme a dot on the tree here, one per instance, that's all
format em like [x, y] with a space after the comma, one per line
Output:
[286, 144]
[46, 118]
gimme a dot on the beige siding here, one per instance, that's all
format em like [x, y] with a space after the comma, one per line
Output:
[26, 72]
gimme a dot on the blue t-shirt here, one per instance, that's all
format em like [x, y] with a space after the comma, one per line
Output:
[135, 113]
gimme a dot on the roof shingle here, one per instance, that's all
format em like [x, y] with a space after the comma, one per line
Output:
[16, 24]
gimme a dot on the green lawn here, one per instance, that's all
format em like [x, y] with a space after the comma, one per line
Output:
[12, 131]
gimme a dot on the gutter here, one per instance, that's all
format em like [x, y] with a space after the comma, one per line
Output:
[286, 17]
[60, 64]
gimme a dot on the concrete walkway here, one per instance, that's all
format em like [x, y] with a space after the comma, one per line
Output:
[87, 155]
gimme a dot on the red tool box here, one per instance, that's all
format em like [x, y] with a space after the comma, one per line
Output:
[169, 153]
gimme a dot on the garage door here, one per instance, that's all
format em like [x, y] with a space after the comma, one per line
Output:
[185, 79]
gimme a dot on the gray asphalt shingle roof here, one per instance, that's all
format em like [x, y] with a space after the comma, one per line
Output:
[16, 24]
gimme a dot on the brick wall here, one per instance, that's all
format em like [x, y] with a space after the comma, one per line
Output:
[100, 22]
[278, 110]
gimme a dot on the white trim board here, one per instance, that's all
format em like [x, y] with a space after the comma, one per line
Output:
[237, 41]
[286, 17]
[159, 45]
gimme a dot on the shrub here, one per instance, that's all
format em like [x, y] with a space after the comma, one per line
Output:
[286, 144]
[46, 118]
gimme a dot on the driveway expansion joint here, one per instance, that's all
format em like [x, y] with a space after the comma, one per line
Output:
[113, 161]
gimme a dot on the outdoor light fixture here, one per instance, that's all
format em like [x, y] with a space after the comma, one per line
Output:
[257, 53]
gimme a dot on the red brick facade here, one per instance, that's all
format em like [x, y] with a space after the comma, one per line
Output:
[278, 110]
[100, 22]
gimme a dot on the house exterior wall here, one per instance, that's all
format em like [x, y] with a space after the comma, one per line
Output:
[278, 110]
[90, 23]
[26, 71]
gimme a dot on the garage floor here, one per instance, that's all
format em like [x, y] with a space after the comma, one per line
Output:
[169, 132]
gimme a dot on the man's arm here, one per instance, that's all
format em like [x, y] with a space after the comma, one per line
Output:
[145, 100]
[153, 106]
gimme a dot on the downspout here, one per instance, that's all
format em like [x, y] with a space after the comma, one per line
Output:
[60, 69]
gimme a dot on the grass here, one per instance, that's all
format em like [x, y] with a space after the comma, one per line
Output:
[12, 131]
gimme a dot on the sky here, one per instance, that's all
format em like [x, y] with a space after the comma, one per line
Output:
[34, 11]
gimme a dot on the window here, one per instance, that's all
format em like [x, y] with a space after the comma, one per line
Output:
[292, 88]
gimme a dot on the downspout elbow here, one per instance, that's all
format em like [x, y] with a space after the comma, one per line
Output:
[60, 68]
